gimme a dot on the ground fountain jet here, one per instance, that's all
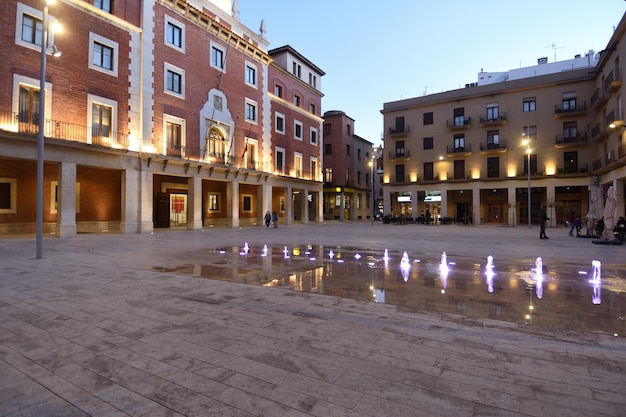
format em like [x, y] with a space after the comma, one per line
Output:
[331, 254]
[596, 281]
[443, 270]
[246, 248]
[489, 273]
[386, 258]
[539, 277]
[405, 266]
[264, 250]
[286, 252]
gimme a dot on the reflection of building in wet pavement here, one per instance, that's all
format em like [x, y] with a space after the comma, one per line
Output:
[554, 296]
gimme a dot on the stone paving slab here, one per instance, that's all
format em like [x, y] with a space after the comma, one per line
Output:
[93, 329]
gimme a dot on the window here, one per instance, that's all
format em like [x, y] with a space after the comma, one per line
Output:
[174, 80]
[174, 136]
[493, 139]
[214, 202]
[347, 175]
[8, 195]
[251, 111]
[459, 169]
[428, 143]
[533, 164]
[174, 34]
[246, 203]
[313, 134]
[400, 173]
[280, 160]
[348, 151]
[570, 162]
[312, 108]
[358, 177]
[428, 171]
[328, 149]
[278, 91]
[459, 116]
[250, 75]
[29, 106]
[399, 126]
[493, 111]
[493, 167]
[530, 104]
[216, 141]
[399, 148]
[569, 132]
[32, 30]
[103, 5]
[296, 69]
[327, 129]
[280, 123]
[297, 164]
[103, 54]
[297, 130]
[296, 100]
[348, 129]
[569, 101]
[101, 116]
[358, 154]
[530, 132]
[428, 118]
[328, 175]
[217, 57]
[314, 168]
[459, 142]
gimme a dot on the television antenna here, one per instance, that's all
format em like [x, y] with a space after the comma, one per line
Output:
[554, 48]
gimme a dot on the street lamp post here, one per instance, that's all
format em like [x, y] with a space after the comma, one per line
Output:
[371, 164]
[42, 124]
[527, 143]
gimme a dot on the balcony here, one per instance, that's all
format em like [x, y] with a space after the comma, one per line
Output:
[488, 147]
[490, 121]
[598, 99]
[570, 141]
[465, 123]
[613, 81]
[599, 132]
[399, 154]
[578, 170]
[613, 119]
[399, 131]
[596, 165]
[56, 129]
[459, 150]
[561, 112]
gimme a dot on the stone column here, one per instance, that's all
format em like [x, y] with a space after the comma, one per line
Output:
[512, 219]
[66, 198]
[305, 206]
[289, 205]
[414, 204]
[476, 206]
[232, 202]
[194, 203]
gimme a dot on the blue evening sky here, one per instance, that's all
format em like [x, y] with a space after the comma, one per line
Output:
[375, 52]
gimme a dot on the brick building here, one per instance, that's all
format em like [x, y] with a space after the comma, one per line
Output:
[159, 113]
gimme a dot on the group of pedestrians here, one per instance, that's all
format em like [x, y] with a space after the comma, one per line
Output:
[271, 218]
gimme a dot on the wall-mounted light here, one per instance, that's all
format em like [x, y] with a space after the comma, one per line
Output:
[55, 51]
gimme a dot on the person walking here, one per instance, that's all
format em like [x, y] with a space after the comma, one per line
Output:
[268, 218]
[275, 219]
[542, 223]
[571, 221]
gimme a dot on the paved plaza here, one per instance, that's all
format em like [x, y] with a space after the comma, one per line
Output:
[94, 329]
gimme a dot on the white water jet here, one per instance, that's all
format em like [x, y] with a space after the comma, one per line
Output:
[489, 273]
[331, 254]
[596, 280]
[264, 250]
[286, 252]
[246, 248]
[443, 270]
[405, 266]
[539, 277]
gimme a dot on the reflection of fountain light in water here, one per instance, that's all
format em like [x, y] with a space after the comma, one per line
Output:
[246, 248]
[489, 273]
[405, 266]
[443, 270]
[539, 277]
[331, 254]
[357, 256]
[264, 250]
[596, 280]
[286, 252]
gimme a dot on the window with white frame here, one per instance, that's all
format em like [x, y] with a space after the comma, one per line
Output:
[250, 75]
[174, 135]
[29, 27]
[251, 113]
[313, 136]
[218, 57]
[105, 5]
[278, 91]
[314, 166]
[246, 203]
[102, 113]
[279, 160]
[8, 195]
[174, 80]
[103, 54]
[297, 164]
[174, 34]
[251, 153]
[297, 130]
[213, 202]
[280, 123]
